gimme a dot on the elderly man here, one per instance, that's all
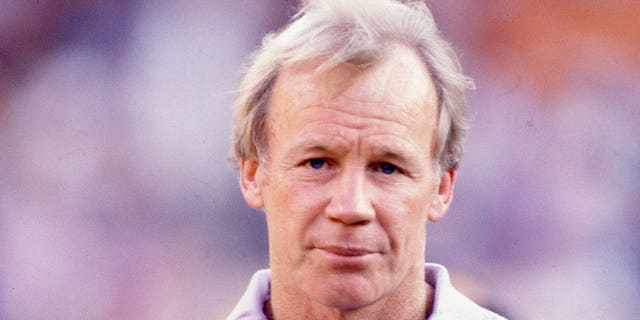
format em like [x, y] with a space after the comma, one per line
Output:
[347, 134]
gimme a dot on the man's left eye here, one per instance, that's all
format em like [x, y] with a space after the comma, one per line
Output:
[388, 168]
[317, 163]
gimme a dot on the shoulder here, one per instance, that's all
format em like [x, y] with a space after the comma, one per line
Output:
[449, 303]
[252, 301]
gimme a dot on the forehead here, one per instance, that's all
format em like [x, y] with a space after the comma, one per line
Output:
[398, 88]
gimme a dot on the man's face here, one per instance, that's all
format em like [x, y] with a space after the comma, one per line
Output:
[349, 182]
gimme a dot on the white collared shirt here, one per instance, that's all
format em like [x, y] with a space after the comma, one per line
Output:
[448, 303]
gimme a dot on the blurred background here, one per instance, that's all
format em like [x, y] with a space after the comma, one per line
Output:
[117, 202]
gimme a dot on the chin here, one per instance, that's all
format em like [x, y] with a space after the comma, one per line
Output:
[343, 292]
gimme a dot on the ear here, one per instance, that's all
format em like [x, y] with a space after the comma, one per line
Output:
[250, 183]
[442, 199]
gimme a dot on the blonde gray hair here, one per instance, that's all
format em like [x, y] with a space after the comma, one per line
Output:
[352, 32]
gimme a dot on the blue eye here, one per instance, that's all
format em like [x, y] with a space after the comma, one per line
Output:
[388, 168]
[317, 163]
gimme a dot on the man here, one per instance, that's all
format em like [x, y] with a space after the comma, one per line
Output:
[347, 135]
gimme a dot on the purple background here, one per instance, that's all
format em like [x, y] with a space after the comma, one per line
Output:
[117, 202]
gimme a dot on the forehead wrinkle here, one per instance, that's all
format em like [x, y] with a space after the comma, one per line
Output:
[412, 108]
[369, 146]
[312, 142]
[353, 120]
[362, 121]
[398, 147]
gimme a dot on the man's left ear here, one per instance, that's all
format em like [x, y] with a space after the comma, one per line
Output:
[442, 199]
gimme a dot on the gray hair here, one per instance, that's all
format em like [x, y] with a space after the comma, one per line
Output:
[353, 32]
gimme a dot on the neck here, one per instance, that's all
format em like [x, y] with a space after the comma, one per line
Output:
[413, 299]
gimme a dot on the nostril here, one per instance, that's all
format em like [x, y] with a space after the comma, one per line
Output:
[352, 222]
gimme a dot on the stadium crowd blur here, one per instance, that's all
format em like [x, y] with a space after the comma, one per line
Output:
[117, 201]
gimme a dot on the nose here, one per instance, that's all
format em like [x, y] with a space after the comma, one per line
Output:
[350, 202]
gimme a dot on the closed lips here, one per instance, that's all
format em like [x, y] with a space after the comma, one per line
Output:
[349, 252]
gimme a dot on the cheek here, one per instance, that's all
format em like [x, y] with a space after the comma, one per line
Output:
[299, 200]
[291, 209]
[403, 215]
[409, 203]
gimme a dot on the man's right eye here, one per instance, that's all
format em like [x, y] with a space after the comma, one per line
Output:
[317, 163]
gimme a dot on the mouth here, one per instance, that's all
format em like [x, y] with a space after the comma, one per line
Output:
[347, 252]
[343, 258]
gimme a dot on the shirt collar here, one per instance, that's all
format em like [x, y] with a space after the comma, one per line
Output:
[448, 303]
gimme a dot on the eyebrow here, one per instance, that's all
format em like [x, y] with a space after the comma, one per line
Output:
[380, 151]
[314, 145]
[403, 158]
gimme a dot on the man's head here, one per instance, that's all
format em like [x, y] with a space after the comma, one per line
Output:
[353, 32]
[340, 139]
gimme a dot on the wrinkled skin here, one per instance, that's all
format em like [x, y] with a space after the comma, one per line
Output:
[348, 188]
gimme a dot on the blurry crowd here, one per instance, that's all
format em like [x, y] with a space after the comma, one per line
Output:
[117, 200]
